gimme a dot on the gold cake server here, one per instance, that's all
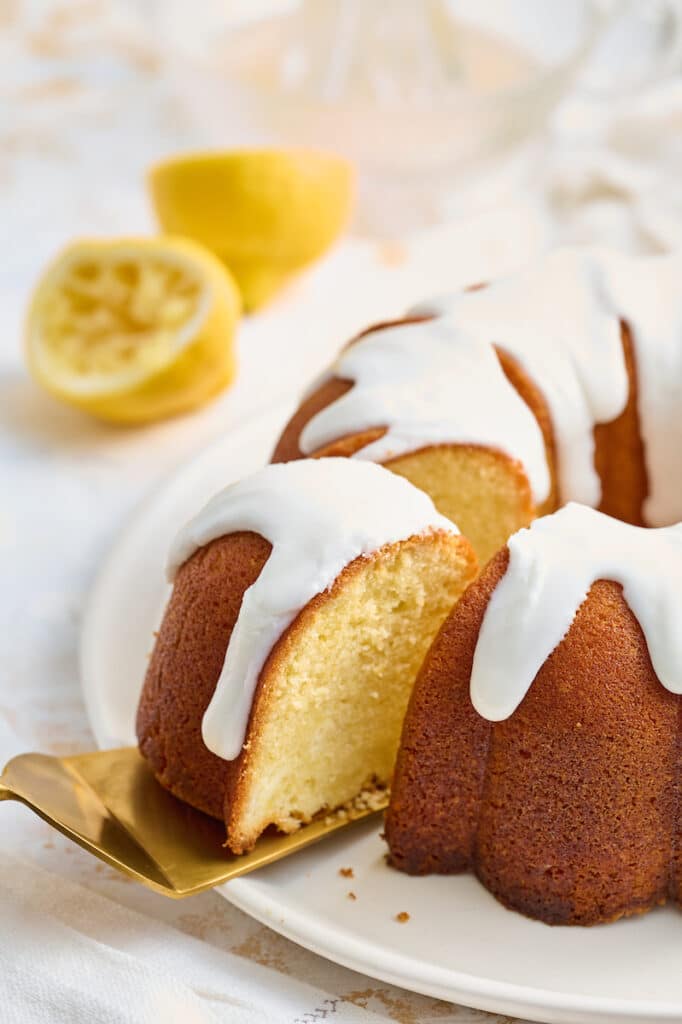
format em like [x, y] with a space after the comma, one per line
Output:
[110, 804]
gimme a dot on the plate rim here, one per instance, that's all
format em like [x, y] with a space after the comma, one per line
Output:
[491, 995]
[338, 944]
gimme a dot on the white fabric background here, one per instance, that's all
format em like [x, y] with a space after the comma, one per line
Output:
[78, 943]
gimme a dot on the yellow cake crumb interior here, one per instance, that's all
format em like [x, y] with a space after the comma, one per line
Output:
[107, 312]
[334, 693]
[483, 491]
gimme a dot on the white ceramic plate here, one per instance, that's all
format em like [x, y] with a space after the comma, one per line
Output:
[459, 944]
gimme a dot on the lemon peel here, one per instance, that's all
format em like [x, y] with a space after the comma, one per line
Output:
[266, 213]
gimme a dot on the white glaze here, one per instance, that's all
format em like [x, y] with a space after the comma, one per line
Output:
[430, 383]
[319, 515]
[559, 320]
[556, 319]
[648, 295]
[552, 566]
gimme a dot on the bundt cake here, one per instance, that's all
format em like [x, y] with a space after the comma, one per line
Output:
[587, 341]
[304, 600]
[541, 746]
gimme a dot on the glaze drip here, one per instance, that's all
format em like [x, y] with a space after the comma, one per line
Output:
[430, 383]
[560, 320]
[319, 515]
[552, 566]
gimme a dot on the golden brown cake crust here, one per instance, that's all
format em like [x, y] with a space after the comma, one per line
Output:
[618, 446]
[532, 395]
[567, 810]
[186, 663]
[288, 448]
[619, 452]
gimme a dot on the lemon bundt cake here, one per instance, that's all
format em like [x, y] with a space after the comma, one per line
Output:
[560, 383]
[305, 598]
[541, 746]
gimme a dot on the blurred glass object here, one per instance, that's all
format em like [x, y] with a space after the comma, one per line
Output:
[433, 100]
[640, 45]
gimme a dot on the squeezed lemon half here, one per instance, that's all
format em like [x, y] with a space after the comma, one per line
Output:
[266, 213]
[134, 330]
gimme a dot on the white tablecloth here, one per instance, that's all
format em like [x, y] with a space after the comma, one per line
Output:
[77, 941]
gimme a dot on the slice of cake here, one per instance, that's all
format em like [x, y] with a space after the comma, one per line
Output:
[305, 598]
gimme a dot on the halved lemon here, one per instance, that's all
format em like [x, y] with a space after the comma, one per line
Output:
[134, 329]
[266, 213]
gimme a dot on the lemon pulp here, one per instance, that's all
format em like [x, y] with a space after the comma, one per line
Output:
[133, 329]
